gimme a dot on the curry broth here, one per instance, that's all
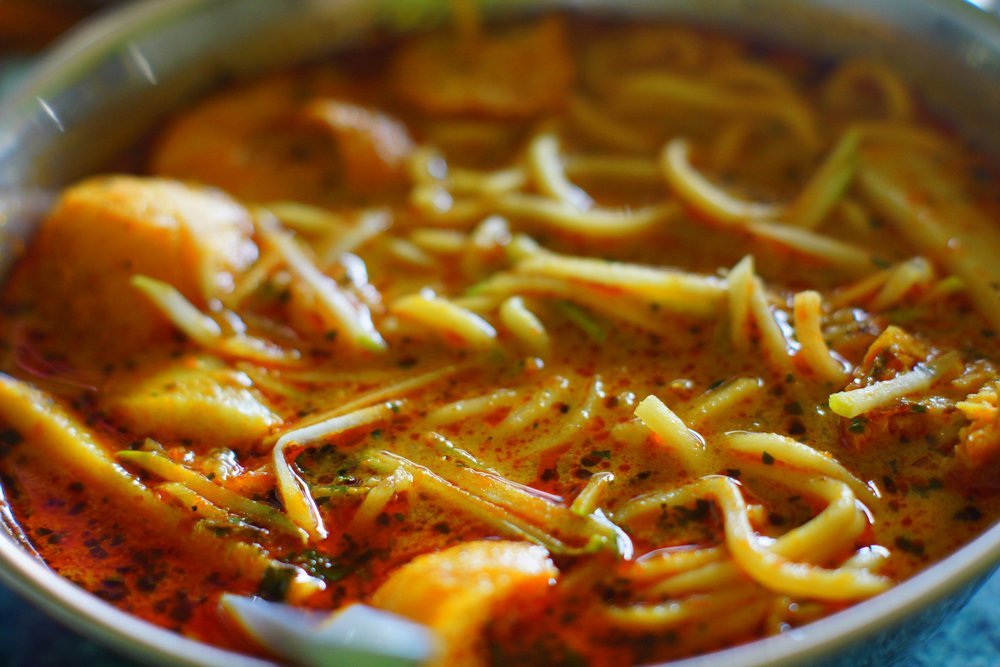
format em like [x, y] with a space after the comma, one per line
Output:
[556, 421]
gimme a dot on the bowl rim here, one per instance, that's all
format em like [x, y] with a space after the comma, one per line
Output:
[128, 634]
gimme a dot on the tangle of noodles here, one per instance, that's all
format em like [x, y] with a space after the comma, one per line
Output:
[607, 343]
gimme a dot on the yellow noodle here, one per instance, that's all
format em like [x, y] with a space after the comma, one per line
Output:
[546, 168]
[688, 292]
[502, 285]
[784, 451]
[901, 279]
[707, 578]
[697, 191]
[666, 563]
[729, 142]
[595, 222]
[471, 407]
[809, 332]
[253, 279]
[534, 409]
[842, 87]
[713, 404]
[577, 421]
[739, 621]
[305, 218]
[590, 498]
[756, 559]
[604, 129]
[843, 255]
[390, 393]
[438, 207]
[671, 614]
[646, 90]
[911, 137]
[672, 432]
[525, 326]
[855, 293]
[449, 320]
[471, 182]
[444, 241]
[409, 253]
[370, 224]
[739, 294]
[644, 171]
[493, 515]
[771, 334]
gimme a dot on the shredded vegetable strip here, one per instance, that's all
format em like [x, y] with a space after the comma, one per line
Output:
[855, 402]
[259, 513]
[294, 492]
[203, 329]
[350, 317]
[828, 184]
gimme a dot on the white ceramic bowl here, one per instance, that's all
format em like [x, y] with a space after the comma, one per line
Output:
[110, 80]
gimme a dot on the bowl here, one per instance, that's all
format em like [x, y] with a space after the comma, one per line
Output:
[112, 79]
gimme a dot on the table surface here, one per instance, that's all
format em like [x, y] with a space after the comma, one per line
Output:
[28, 638]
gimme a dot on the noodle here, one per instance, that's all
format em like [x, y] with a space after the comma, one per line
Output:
[570, 340]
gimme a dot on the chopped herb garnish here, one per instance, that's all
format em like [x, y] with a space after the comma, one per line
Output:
[933, 484]
[857, 425]
[276, 581]
[889, 484]
[767, 459]
[699, 513]
[915, 547]
[968, 513]
[321, 565]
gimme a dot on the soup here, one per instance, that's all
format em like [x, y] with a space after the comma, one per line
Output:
[571, 342]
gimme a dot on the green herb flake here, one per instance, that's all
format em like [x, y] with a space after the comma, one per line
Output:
[767, 459]
[276, 582]
[857, 425]
[793, 408]
[968, 513]
[914, 547]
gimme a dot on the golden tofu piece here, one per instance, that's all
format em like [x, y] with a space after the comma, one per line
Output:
[105, 230]
[196, 400]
